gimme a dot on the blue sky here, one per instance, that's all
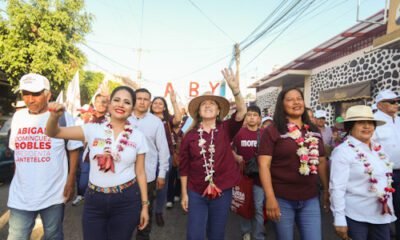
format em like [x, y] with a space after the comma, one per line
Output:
[177, 39]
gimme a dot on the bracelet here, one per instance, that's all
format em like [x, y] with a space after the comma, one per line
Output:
[236, 94]
[145, 202]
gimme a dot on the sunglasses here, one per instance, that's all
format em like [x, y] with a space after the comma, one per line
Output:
[33, 94]
[391, 101]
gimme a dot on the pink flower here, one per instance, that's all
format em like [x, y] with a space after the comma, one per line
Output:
[304, 158]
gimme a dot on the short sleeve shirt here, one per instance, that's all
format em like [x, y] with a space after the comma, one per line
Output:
[287, 182]
[226, 169]
[41, 162]
[95, 137]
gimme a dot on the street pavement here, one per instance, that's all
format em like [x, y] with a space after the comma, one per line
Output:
[174, 229]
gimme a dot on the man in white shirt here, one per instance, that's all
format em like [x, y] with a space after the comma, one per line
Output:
[158, 154]
[388, 136]
[42, 183]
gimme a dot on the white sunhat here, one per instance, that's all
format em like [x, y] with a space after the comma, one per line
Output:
[320, 114]
[33, 82]
[18, 104]
[361, 113]
[385, 95]
[266, 118]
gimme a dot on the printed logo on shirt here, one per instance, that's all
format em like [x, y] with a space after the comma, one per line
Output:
[32, 145]
[248, 143]
[99, 142]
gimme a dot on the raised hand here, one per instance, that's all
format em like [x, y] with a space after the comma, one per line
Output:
[232, 80]
[56, 109]
[172, 96]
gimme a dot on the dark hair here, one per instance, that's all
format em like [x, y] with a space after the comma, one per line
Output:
[126, 88]
[143, 90]
[254, 108]
[349, 125]
[280, 116]
[166, 114]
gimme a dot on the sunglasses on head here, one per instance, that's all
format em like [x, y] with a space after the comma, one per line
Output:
[33, 94]
[394, 101]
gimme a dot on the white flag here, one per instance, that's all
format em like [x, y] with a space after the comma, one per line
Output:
[60, 98]
[73, 99]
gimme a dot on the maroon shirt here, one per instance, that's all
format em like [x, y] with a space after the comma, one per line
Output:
[226, 169]
[245, 143]
[286, 179]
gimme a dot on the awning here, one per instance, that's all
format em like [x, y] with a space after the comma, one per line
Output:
[351, 92]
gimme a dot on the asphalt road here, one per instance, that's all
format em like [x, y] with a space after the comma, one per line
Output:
[174, 229]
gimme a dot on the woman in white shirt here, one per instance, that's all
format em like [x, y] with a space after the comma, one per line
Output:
[116, 199]
[360, 181]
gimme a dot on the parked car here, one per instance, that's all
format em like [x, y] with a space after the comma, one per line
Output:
[7, 165]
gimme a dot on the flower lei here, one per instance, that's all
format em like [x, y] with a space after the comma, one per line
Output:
[385, 195]
[212, 191]
[106, 161]
[308, 155]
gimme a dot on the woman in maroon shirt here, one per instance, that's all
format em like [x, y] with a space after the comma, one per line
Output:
[290, 160]
[208, 169]
[159, 108]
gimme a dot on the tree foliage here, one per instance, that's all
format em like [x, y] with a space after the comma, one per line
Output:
[41, 36]
[90, 82]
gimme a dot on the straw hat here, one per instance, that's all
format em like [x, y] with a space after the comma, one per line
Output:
[223, 104]
[361, 113]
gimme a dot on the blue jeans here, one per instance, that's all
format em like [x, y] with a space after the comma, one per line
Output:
[208, 215]
[306, 214]
[257, 222]
[111, 216]
[364, 231]
[22, 222]
[396, 200]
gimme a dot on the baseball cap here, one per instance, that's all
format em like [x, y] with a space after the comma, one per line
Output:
[33, 82]
[320, 114]
[385, 95]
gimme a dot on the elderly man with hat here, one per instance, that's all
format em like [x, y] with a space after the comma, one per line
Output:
[388, 135]
[207, 166]
[361, 180]
[42, 183]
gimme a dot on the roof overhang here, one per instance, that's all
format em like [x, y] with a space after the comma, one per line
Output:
[289, 77]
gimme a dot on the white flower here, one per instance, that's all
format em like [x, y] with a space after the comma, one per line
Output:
[295, 134]
[201, 142]
[314, 152]
[304, 169]
[202, 151]
[302, 151]
[207, 178]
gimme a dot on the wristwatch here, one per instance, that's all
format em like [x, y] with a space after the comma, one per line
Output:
[146, 202]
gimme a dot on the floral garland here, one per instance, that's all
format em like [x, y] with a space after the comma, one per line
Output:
[309, 157]
[385, 195]
[212, 191]
[106, 161]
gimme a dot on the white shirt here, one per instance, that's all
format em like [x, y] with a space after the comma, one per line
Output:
[95, 136]
[153, 128]
[41, 162]
[389, 136]
[349, 185]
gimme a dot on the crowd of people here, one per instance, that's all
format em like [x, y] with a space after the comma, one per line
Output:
[130, 158]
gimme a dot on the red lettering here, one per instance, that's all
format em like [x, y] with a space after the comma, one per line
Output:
[213, 87]
[169, 88]
[48, 145]
[193, 87]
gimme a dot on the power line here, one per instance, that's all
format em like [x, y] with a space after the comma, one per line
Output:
[283, 30]
[211, 21]
[109, 59]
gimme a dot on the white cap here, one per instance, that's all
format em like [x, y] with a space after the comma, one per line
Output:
[320, 114]
[266, 118]
[33, 82]
[385, 95]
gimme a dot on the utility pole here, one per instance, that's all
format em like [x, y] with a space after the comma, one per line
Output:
[237, 60]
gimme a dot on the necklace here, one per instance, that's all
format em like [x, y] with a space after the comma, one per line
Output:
[106, 161]
[212, 191]
[308, 154]
[384, 195]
